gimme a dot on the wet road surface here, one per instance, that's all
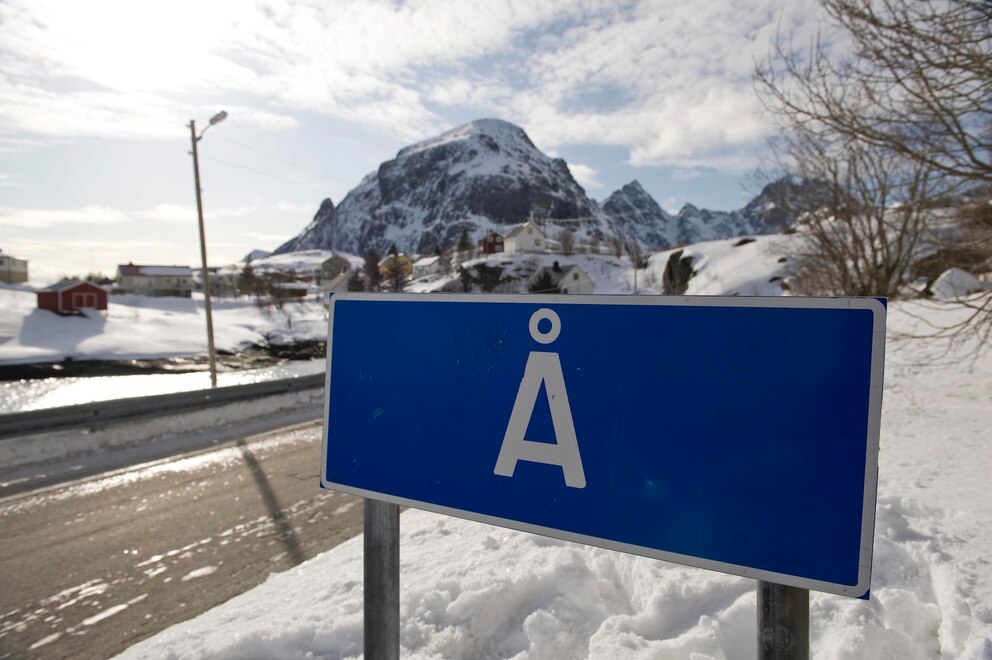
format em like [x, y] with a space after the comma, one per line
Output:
[91, 567]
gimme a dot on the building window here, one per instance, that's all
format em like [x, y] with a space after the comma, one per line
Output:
[575, 276]
[530, 231]
[537, 241]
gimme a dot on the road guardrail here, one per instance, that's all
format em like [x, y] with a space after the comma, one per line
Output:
[100, 413]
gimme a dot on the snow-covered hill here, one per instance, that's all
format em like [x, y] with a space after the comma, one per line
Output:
[487, 176]
[750, 266]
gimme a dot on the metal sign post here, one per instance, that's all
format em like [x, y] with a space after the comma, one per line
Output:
[783, 622]
[382, 580]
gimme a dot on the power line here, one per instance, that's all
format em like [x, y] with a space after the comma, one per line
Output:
[263, 173]
[278, 158]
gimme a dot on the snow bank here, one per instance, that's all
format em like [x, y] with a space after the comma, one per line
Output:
[45, 447]
[138, 327]
[470, 590]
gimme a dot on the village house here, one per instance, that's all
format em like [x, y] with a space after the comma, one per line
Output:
[566, 278]
[12, 269]
[155, 280]
[331, 268]
[525, 238]
[427, 266]
[405, 264]
[491, 243]
[72, 297]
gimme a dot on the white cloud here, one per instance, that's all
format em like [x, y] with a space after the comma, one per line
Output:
[686, 174]
[139, 115]
[186, 214]
[668, 80]
[585, 175]
[38, 218]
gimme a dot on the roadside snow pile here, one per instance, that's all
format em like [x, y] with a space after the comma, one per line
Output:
[138, 327]
[471, 590]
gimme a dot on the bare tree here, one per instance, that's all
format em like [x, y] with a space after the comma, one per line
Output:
[371, 270]
[567, 240]
[616, 246]
[395, 269]
[444, 260]
[916, 83]
[876, 221]
[895, 127]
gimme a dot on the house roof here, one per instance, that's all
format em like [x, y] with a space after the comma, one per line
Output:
[65, 285]
[424, 262]
[519, 228]
[155, 271]
[557, 275]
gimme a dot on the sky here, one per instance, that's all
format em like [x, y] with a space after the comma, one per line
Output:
[96, 97]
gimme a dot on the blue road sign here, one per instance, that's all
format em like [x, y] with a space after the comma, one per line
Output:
[733, 434]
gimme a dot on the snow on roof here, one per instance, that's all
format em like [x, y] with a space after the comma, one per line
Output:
[423, 262]
[519, 228]
[155, 271]
[557, 275]
[66, 284]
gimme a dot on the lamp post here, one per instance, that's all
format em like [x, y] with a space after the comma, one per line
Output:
[194, 138]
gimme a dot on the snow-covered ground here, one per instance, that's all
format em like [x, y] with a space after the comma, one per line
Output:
[140, 327]
[470, 590]
[723, 267]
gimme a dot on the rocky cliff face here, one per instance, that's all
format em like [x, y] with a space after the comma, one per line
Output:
[488, 176]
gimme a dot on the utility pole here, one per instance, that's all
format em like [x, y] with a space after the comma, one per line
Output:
[194, 138]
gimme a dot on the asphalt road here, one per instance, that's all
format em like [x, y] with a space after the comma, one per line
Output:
[91, 567]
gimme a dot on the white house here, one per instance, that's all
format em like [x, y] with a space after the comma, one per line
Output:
[12, 269]
[155, 280]
[525, 238]
[567, 278]
[427, 266]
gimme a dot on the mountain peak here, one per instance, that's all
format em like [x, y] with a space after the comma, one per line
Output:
[488, 130]
[635, 187]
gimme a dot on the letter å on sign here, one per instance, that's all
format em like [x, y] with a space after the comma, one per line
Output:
[542, 369]
[663, 426]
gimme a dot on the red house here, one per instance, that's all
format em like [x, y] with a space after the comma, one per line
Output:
[71, 297]
[491, 243]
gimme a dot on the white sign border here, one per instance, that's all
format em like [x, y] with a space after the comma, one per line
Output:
[869, 495]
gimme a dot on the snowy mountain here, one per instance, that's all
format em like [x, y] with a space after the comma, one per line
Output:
[485, 175]
[638, 216]
[488, 176]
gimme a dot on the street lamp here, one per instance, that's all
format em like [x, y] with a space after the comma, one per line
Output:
[194, 138]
